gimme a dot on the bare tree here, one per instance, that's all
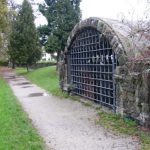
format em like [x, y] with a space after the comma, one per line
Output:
[139, 30]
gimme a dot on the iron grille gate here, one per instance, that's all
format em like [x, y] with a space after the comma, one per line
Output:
[91, 67]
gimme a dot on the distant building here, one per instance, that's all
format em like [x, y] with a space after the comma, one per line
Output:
[48, 57]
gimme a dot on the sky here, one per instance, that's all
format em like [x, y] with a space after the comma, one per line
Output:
[114, 9]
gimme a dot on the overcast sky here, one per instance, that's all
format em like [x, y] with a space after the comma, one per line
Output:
[114, 9]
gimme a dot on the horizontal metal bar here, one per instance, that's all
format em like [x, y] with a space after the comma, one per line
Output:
[95, 93]
[93, 85]
[97, 50]
[111, 105]
[91, 65]
[85, 71]
[92, 78]
[86, 37]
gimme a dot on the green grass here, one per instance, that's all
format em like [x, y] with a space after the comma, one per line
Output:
[125, 126]
[47, 78]
[16, 130]
[116, 123]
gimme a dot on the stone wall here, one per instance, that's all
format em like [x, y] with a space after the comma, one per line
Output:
[133, 91]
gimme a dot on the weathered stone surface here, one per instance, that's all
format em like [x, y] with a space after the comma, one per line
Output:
[121, 70]
[122, 60]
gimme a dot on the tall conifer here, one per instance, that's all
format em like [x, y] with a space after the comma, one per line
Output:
[24, 42]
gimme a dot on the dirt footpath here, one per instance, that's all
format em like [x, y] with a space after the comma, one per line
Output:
[65, 124]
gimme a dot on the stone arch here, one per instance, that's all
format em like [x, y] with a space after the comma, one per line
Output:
[106, 30]
[132, 72]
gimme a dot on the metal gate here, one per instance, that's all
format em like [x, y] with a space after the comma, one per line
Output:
[91, 65]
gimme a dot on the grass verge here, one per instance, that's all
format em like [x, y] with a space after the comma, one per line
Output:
[125, 126]
[47, 78]
[16, 131]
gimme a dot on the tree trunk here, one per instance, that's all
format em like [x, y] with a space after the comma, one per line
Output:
[58, 55]
[13, 65]
[27, 66]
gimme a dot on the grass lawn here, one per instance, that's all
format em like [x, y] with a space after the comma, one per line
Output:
[16, 130]
[47, 78]
[125, 126]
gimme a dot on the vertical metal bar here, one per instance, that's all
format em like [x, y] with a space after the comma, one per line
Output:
[114, 87]
[92, 69]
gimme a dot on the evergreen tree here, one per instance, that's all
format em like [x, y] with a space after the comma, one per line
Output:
[24, 43]
[61, 15]
[12, 13]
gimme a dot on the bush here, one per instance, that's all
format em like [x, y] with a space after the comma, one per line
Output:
[3, 63]
[42, 65]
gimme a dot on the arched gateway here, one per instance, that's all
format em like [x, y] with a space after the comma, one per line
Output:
[91, 67]
[98, 65]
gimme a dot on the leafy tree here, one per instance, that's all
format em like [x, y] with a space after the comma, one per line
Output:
[3, 18]
[12, 11]
[3, 27]
[43, 32]
[24, 43]
[52, 44]
[61, 17]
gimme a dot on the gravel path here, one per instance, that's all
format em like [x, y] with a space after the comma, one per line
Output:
[65, 124]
